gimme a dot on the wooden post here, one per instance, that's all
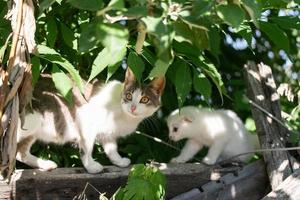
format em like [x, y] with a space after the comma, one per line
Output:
[262, 91]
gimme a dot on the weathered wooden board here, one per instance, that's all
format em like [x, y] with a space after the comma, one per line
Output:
[262, 92]
[250, 183]
[65, 183]
[289, 189]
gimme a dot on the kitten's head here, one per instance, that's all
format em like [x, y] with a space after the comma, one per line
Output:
[141, 101]
[180, 125]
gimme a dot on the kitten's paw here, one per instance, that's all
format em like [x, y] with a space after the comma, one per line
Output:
[94, 167]
[46, 165]
[177, 160]
[124, 162]
[208, 161]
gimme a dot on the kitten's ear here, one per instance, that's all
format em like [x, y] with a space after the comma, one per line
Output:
[187, 119]
[158, 84]
[129, 76]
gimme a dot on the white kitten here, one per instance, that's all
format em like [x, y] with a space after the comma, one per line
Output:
[112, 112]
[220, 130]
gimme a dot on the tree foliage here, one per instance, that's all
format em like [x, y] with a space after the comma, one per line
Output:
[200, 45]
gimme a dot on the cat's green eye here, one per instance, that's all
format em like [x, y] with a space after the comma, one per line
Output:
[129, 96]
[144, 99]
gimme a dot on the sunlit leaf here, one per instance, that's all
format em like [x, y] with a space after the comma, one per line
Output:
[54, 57]
[106, 58]
[253, 9]
[112, 36]
[62, 83]
[202, 85]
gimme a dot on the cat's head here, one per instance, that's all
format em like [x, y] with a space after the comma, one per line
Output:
[179, 125]
[141, 101]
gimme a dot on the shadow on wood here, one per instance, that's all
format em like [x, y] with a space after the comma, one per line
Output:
[65, 183]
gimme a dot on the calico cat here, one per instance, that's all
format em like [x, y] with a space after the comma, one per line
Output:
[112, 112]
[220, 130]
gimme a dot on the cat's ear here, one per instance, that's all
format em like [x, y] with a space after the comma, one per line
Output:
[158, 84]
[187, 119]
[129, 76]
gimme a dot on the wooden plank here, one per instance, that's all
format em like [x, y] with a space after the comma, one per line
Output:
[249, 183]
[289, 189]
[65, 183]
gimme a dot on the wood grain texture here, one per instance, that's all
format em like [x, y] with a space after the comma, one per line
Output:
[289, 189]
[262, 91]
[249, 183]
[65, 183]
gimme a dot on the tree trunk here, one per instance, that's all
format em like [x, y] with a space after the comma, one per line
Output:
[262, 92]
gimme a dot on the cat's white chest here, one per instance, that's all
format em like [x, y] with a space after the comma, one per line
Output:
[105, 121]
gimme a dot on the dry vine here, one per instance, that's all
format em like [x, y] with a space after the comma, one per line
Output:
[15, 80]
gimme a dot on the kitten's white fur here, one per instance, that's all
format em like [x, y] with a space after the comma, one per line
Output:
[104, 118]
[220, 130]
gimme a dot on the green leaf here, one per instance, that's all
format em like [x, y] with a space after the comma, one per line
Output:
[214, 40]
[35, 61]
[200, 38]
[54, 57]
[246, 32]
[100, 63]
[91, 5]
[202, 85]
[287, 22]
[136, 12]
[45, 4]
[253, 9]
[160, 68]
[163, 33]
[200, 7]
[62, 83]
[106, 58]
[183, 81]
[231, 14]
[88, 39]
[68, 36]
[112, 36]
[136, 64]
[113, 66]
[148, 56]
[51, 33]
[276, 35]
[195, 36]
[211, 71]
[116, 4]
[273, 4]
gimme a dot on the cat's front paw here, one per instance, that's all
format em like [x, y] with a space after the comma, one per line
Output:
[94, 167]
[124, 162]
[46, 165]
[208, 161]
[177, 160]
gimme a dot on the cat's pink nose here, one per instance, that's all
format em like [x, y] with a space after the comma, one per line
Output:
[133, 108]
